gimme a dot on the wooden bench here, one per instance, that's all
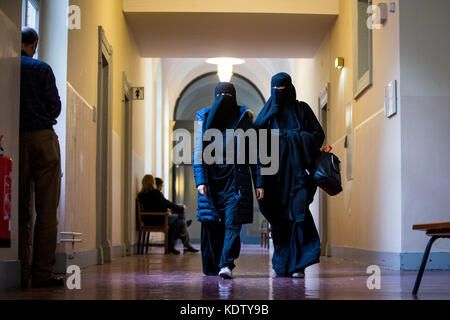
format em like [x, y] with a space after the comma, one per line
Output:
[434, 230]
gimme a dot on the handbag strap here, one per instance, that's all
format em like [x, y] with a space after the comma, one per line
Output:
[327, 148]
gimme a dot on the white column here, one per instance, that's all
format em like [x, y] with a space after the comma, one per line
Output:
[53, 49]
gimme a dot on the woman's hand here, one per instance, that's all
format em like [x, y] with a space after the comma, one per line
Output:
[260, 193]
[202, 189]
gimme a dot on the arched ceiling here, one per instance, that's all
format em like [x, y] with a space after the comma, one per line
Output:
[200, 94]
[178, 73]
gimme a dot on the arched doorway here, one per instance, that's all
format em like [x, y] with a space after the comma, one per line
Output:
[199, 94]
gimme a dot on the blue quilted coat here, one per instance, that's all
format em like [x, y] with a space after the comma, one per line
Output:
[243, 174]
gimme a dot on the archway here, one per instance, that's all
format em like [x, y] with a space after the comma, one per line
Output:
[199, 94]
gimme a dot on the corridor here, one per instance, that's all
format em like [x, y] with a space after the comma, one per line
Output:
[131, 77]
[156, 276]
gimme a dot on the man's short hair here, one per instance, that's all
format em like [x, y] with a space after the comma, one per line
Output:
[159, 182]
[29, 35]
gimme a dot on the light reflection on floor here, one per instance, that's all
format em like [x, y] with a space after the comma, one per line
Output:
[169, 277]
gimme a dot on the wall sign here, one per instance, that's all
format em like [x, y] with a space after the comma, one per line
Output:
[138, 93]
[390, 101]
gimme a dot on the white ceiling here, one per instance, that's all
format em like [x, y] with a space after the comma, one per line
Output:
[243, 35]
[234, 6]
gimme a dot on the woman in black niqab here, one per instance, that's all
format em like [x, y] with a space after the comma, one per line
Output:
[225, 112]
[225, 200]
[291, 190]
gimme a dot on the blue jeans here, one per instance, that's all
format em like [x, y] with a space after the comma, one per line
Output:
[220, 241]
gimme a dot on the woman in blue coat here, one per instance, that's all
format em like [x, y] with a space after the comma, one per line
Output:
[290, 191]
[225, 193]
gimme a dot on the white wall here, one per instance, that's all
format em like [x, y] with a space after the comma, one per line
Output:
[53, 42]
[401, 165]
[307, 92]
[425, 99]
[10, 35]
[82, 82]
[10, 21]
[367, 214]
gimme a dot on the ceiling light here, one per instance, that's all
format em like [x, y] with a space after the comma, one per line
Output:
[225, 67]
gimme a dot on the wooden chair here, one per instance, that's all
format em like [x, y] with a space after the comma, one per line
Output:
[265, 234]
[435, 231]
[144, 230]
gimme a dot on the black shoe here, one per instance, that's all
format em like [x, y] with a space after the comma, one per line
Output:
[52, 282]
[191, 249]
[188, 222]
[174, 251]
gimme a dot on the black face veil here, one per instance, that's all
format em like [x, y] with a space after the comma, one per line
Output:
[286, 96]
[225, 111]
[281, 102]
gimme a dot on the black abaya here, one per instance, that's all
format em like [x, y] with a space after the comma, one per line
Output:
[289, 193]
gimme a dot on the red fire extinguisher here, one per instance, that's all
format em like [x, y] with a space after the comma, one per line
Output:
[5, 199]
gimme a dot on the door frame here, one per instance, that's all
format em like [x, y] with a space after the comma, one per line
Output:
[104, 161]
[323, 197]
[127, 149]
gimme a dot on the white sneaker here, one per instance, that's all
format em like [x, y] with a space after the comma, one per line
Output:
[274, 274]
[298, 275]
[225, 273]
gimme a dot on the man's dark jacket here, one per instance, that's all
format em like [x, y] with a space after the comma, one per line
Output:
[40, 104]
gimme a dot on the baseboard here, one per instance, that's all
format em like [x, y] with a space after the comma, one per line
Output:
[392, 260]
[387, 260]
[436, 260]
[117, 251]
[9, 274]
[81, 259]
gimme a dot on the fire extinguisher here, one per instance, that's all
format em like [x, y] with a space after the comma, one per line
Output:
[5, 198]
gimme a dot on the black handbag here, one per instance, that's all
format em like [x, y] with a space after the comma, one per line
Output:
[327, 174]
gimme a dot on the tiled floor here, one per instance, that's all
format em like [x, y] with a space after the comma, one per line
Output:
[158, 276]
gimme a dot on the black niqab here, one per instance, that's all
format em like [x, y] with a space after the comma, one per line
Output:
[224, 114]
[286, 96]
[281, 104]
[225, 111]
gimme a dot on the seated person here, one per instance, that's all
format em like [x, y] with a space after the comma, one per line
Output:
[153, 200]
[182, 224]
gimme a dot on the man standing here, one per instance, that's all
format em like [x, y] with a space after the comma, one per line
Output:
[39, 166]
